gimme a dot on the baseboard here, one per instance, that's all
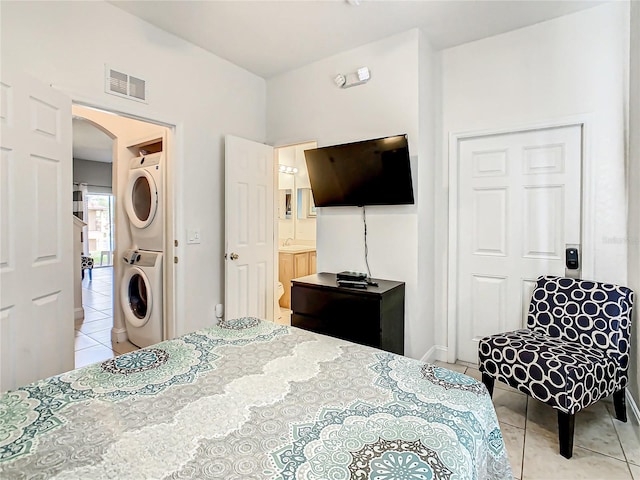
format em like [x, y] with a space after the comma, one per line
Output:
[119, 335]
[632, 403]
[78, 313]
[437, 352]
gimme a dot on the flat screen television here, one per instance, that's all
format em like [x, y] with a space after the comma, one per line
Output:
[370, 172]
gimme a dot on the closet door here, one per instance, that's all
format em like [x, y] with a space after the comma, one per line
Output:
[36, 225]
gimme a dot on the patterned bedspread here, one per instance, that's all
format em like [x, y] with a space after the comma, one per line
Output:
[253, 400]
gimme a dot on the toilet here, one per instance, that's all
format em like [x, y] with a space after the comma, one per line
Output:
[279, 292]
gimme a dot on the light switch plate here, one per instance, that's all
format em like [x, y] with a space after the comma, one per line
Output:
[193, 235]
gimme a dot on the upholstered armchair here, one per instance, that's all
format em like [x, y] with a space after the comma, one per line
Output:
[574, 351]
[87, 264]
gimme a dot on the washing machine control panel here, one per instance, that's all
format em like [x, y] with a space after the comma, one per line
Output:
[130, 256]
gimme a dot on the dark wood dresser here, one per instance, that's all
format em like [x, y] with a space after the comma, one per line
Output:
[373, 316]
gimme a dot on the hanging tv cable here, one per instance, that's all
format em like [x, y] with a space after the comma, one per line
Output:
[366, 248]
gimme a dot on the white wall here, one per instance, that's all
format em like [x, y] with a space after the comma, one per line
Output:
[573, 65]
[305, 104]
[633, 238]
[429, 127]
[67, 44]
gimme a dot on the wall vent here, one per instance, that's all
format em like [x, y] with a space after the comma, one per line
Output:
[124, 85]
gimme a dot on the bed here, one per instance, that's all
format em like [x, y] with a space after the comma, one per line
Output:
[249, 399]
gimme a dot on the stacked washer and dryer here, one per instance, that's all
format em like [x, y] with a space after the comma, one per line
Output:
[141, 288]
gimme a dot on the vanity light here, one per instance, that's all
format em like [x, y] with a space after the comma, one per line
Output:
[287, 169]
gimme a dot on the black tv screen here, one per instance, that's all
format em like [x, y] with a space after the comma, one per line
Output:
[371, 172]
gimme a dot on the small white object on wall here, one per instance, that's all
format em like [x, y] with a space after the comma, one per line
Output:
[193, 236]
[359, 77]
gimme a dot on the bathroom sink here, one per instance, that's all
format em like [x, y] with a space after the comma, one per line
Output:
[296, 248]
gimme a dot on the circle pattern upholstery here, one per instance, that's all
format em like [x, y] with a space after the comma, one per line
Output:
[575, 350]
[591, 313]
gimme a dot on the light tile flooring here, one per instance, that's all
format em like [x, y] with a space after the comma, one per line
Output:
[603, 447]
[93, 333]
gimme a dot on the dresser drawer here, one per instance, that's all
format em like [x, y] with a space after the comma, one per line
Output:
[334, 304]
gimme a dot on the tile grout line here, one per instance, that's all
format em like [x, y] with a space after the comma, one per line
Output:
[104, 282]
[613, 424]
[524, 436]
[626, 460]
[591, 452]
[514, 426]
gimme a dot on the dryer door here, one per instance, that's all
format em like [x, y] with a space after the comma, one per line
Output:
[135, 295]
[141, 198]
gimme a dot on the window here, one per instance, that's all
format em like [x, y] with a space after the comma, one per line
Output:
[101, 236]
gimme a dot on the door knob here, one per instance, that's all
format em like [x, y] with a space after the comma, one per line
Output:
[234, 256]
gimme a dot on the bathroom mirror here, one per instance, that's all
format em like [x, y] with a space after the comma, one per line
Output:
[285, 206]
[296, 211]
[305, 206]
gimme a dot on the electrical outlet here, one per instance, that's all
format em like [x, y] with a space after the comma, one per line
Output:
[193, 235]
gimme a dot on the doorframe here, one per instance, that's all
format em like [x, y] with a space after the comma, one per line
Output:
[173, 294]
[276, 220]
[585, 122]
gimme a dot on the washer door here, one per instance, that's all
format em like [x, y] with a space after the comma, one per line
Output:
[136, 297]
[141, 198]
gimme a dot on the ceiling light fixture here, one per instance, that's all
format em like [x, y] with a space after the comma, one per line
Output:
[362, 75]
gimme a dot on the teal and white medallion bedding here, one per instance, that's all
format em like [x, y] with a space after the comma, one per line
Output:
[253, 400]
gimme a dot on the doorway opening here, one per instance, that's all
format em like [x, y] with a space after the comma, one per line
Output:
[295, 224]
[101, 229]
[94, 205]
[104, 332]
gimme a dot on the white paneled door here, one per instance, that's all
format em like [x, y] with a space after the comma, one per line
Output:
[36, 263]
[249, 229]
[518, 209]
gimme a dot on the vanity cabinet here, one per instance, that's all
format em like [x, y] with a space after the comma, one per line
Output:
[312, 262]
[293, 265]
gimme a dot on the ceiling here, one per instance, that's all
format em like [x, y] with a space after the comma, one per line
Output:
[271, 37]
[91, 143]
